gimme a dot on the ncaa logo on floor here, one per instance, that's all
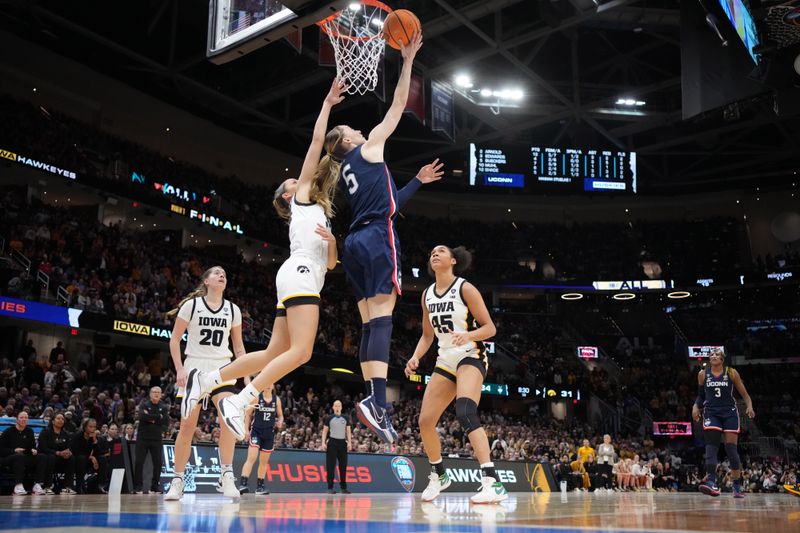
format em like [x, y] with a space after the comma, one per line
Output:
[404, 472]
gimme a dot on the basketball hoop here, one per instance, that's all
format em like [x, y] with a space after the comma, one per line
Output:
[356, 34]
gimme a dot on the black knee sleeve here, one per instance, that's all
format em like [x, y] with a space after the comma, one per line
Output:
[380, 339]
[467, 415]
[732, 451]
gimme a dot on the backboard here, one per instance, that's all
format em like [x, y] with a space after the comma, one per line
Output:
[236, 27]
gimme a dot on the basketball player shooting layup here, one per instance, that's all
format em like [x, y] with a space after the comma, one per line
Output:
[720, 416]
[371, 256]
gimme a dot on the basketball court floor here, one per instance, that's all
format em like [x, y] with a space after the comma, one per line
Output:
[584, 512]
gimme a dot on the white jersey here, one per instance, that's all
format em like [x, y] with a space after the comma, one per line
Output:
[448, 313]
[209, 329]
[302, 231]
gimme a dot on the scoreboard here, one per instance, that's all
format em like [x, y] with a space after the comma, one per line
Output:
[553, 170]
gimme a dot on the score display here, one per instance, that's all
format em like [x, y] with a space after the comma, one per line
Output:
[553, 170]
[699, 352]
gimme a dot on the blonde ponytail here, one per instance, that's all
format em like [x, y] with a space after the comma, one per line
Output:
[323, 188]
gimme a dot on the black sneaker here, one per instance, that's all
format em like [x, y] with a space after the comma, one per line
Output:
[331, 491]
[261, 490]
[345, 491]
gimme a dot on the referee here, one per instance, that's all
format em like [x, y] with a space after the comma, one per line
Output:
[337, 441]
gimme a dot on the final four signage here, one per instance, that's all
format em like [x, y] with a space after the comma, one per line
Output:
[633, 285]
[211, 220]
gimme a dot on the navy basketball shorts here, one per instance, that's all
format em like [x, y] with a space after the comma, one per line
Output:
[263, 440]
[371, 260]
[726, 420]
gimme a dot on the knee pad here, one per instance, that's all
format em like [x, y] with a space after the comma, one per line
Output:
[363, 348]
[467, 415]
[732, 451]
[380, 339]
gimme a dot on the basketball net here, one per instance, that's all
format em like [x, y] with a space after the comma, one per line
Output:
[357, 39]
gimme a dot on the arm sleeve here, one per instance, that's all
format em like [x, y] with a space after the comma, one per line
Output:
[701, 395]
[405, 194]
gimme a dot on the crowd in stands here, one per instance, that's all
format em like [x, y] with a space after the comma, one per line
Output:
[109, 392]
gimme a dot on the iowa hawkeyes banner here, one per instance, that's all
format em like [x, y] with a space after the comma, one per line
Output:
[516, 476]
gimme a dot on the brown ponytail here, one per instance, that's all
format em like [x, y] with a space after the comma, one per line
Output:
[280, 204]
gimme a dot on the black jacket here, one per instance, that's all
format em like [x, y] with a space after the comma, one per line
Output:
[12, 438]
[51, 442]
[153, 420]
[82, 447]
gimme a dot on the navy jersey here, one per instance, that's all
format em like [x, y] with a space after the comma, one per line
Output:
[719, 389]
[264, 413]
[370, 188]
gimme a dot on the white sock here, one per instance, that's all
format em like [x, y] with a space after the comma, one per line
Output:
[248, 394]
[227, 468]
[214, 377]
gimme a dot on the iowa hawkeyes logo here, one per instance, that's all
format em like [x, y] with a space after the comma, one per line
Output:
[303, 269]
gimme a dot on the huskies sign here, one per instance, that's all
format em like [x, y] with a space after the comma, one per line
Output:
[297, 471]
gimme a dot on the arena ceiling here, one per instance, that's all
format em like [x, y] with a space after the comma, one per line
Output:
[573, 58]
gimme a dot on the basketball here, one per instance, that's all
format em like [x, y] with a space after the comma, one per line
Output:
[400, 27]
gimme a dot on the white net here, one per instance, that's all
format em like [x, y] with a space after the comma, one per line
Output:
[358, 45]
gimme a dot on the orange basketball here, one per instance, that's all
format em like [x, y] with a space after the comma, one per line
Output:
[399, 27]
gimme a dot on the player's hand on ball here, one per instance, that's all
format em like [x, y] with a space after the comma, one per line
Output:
[335, 95]
[459, 338]
[431, 172]
[411, 366]
[325, 233]
[750, 412]
[409, 51]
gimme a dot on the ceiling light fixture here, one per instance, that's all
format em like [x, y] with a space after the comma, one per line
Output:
[571, 296]
[624, 296]
[677, 295]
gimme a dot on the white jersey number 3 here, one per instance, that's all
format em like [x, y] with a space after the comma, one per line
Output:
[350, 179]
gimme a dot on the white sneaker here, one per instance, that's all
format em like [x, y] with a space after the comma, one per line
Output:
[19, 490]
[492, 491]
[175, 491]
[197, 386]
[231, 411]
[229, 489]
[436, 485]
[37, 489]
